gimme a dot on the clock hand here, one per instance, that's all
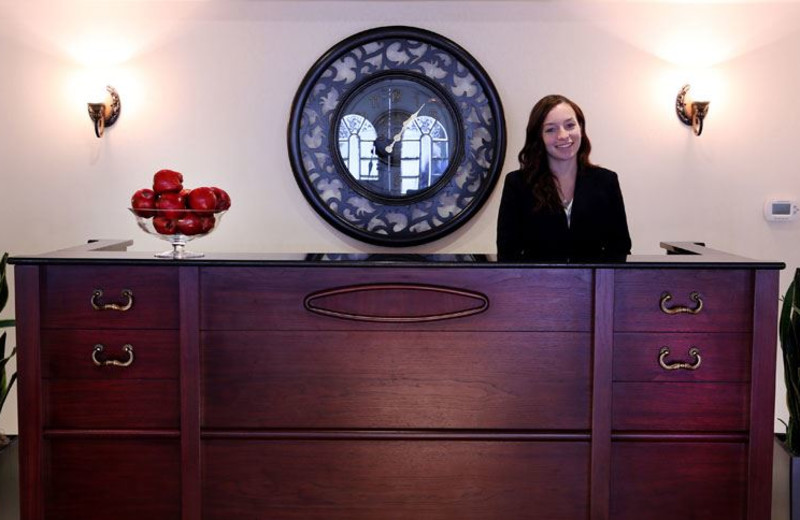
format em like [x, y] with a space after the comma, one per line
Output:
[406, 124]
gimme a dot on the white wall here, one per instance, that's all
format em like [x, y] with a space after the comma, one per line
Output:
[207, 86]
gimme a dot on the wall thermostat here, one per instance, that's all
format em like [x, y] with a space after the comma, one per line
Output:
[780, 209]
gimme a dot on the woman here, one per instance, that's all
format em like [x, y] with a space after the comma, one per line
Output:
[558, 205]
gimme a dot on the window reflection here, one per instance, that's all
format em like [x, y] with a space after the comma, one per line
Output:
[356, 135]
[423, 154]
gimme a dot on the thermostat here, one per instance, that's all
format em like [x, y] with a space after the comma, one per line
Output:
[780, 209]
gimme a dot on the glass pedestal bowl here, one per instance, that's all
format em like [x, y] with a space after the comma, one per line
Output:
[189, 225]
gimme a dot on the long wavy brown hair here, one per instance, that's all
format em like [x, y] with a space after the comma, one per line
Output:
[533, 156]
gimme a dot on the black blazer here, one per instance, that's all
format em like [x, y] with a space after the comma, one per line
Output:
[598, 229]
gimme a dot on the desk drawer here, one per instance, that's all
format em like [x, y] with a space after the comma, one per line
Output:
[678, 481]
[389, 380]
[70, 354]
[683, 300]
[394, 480]
[120, 479]
[674, 357]
[396, 299]
[144, 297]
[712, 407]
[118, 404]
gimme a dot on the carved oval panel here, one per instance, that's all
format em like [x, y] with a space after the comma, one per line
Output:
[399, 303]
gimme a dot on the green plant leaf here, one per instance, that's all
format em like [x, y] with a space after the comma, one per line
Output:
[3, 282]
[3, 362]
[789, 333]
[6, 382]
[7, 390]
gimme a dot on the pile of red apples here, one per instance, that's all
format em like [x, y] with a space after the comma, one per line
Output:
[175, 209]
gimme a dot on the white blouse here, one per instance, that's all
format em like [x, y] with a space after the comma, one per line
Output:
[568, 211]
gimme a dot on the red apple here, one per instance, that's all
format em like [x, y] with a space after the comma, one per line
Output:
[207, 223]
[165, 226]
[202, 198]
[223, 199]
[143, 201]
[167, 181]
[190, 224]
[173, 204]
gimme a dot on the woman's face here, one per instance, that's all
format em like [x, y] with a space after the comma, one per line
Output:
[561, 133]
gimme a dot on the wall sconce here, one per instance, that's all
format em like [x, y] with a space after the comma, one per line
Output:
[690, 112]
[106, 113]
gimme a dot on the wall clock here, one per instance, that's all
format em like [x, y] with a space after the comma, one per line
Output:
[396, 136]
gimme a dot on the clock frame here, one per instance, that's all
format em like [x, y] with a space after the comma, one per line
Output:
[338, 140]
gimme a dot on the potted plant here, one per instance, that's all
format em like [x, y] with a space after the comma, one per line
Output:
[9, 456]
[786, 469]
[6, 380]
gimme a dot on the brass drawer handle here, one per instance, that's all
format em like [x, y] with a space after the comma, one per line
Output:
[112, 362]
[681, 309]
[97, 305]
[694, 352]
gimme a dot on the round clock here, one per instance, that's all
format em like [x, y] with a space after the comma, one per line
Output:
[397, 136]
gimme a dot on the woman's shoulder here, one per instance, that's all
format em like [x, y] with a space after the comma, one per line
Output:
[599, 174]
[599, 171]
[514, 178]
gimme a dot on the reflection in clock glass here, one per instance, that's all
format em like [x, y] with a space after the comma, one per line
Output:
[392, 168]
[396, 139]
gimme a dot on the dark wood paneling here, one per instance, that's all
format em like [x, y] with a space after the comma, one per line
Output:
[723, 357]
[119, 479]
[389, 380]
[190, 394]
[681, 406]
[123, 404]
[601, 394]
[379, 480]
[29, 390]
[272, 299]
[765, 318]
[68, 292]
[727, 300]
[67, 354]
[678, 481]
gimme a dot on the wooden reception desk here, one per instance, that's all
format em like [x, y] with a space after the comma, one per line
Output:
[424, 387]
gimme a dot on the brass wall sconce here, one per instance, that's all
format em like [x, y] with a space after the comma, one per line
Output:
[690, 112]
[106, 113]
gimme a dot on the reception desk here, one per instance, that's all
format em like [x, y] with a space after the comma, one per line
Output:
[424, 387]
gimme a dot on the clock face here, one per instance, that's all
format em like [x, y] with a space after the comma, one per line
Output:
[397, 136]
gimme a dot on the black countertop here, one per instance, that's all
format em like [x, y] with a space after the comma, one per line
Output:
[114, 252]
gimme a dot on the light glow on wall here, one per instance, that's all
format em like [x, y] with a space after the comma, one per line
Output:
[100, 48]
[101, 39]
[693, 34]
